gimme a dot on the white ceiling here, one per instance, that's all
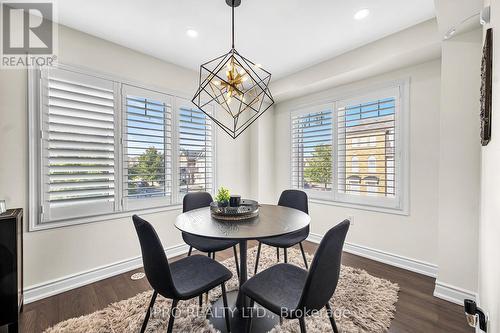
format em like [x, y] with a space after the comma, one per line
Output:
[283, 35]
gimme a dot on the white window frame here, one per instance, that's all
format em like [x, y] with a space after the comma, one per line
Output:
[183, 102]
[122, 210]
[400, 204]
[323, 195]
[82, 208]
[131, 204]
[38, 161]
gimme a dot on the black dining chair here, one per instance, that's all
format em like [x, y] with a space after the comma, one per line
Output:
[197, 200]
[184, 279]
[294, 293]
[293, 199]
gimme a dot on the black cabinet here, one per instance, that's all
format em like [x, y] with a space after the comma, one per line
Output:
[11, 268]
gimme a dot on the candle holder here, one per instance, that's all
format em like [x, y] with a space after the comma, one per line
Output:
[235, 201]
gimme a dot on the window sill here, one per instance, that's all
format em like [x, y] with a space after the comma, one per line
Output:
[393, 211]
[100, 218]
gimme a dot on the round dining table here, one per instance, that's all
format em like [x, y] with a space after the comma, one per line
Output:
[272, 221]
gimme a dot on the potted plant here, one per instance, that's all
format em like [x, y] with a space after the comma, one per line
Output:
[222, 197]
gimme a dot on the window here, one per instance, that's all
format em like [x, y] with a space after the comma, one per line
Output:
[147, 148]
[372, 164]
[312, 158]
[371, 183]
[355, 143]
[353, 184]
[355, 165]
[78, 155]
[354, 149]
[373, 118]
[100, 147]
[195, 150]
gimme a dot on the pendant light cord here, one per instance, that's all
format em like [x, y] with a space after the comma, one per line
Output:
[232, 23]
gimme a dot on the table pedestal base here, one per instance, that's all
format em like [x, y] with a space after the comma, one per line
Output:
[262, 319]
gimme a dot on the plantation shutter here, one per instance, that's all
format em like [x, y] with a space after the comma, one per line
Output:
[78, 166]
[311, 152]
[195, 150]
[147, 148]
[367, 135]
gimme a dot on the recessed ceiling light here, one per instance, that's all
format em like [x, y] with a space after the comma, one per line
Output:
[192, 33]
[361, 14]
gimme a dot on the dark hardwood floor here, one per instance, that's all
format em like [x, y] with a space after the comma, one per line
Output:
[416, 310]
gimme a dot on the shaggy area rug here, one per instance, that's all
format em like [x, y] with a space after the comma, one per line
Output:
[362, 303]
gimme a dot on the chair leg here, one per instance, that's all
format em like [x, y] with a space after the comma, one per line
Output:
[248, 327]
[210, 255]
[286, 255]
[200, 300]
[236, 261]
[257, 259]
[332, 318]
[278, 253]
[249, 316]
[148, 312]
[226, 307]
[251, 305]
[303, 255]
[190, 250]
[173, 313]
[302, 323]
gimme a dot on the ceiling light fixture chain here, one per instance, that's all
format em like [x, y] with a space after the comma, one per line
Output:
[232, 25]
[238, 88]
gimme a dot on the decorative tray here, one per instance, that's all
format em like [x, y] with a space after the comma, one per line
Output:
[246, 210]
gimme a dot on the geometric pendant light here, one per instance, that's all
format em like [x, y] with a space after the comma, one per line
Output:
[237, 85]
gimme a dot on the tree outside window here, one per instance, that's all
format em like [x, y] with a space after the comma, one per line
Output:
[318, 170]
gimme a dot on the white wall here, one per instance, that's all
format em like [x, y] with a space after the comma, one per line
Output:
[459, 161]
[411, 46]
[489, 228]
[413, 236]
[262, 159]
[56, 253]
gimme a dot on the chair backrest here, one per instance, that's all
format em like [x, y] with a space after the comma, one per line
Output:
[324, 272]
[294, 199]
[298, 200]
[154, 259]
[196, 200]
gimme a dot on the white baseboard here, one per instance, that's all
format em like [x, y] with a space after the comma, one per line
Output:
[392, 259]
[57, 286]
[442, 290]
[453, 294]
